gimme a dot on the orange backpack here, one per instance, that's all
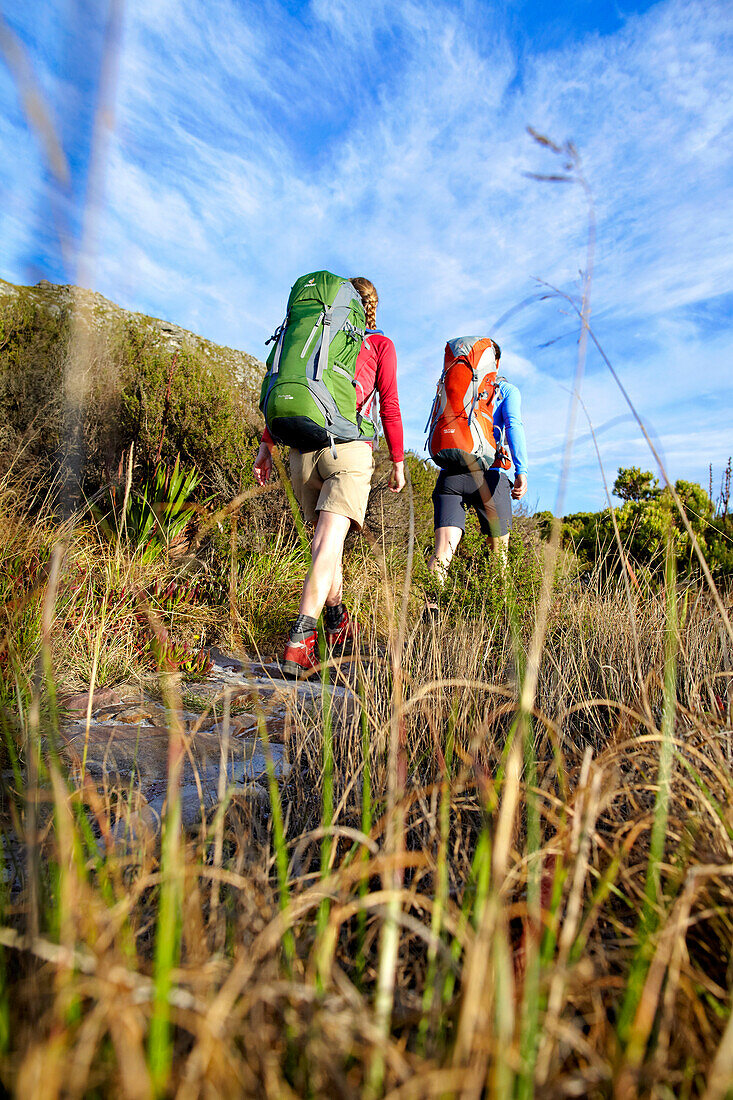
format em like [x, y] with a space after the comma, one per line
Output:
[461, 423]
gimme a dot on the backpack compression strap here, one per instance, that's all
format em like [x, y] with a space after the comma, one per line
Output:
[278, 335]
[474, 374]
[435, 401]
[344, 296]
[325, 341]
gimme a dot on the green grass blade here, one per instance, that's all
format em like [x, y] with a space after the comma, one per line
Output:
[652, 904]
[168, 927]
[278, 830]
[366, 819]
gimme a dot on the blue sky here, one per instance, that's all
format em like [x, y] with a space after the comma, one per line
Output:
[245, 143]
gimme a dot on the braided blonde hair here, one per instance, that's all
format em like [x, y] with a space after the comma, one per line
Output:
[370, 299]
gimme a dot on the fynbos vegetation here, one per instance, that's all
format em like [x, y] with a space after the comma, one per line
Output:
[472, 876]
[146, 383]
[648, 520]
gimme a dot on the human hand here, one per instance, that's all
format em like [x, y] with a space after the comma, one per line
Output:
[263, 464]
[397, 477]
[520, 486]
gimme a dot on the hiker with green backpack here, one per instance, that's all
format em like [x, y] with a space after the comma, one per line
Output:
[328, 363]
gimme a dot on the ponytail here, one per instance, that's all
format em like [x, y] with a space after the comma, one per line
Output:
[369, 297]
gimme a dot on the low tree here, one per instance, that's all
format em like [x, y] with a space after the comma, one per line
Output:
[647, 521]
[635, 484]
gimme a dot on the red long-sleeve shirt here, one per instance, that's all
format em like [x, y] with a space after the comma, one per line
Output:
[376, 372]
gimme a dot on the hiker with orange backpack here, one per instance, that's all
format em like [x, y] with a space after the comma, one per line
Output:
[475, 433]
[328, 364]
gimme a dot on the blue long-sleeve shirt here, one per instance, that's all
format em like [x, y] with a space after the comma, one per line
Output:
[508, 423]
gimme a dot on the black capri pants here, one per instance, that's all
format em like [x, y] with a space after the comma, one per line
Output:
[454, 493]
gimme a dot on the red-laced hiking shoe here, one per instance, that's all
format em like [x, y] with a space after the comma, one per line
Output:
[301, 657]
[346, 631]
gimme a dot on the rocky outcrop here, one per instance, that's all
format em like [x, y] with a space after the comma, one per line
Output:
[124, 749]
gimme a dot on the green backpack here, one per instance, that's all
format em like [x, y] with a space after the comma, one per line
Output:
[308, 394]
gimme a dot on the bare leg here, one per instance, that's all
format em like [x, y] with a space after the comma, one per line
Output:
[446, 544]
[336, 592]
[324, 582]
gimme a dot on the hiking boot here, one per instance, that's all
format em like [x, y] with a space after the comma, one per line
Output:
[346, 630]
[301, 656]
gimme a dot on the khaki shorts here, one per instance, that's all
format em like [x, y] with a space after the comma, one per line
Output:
[322, 483]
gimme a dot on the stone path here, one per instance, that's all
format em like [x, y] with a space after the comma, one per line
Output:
[125, 748]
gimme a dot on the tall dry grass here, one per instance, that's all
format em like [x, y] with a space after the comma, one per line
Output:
[463, 901]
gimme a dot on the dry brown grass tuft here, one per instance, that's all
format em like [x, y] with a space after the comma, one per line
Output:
[523, 886]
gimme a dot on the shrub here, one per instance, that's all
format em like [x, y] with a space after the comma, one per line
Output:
[186, 397]
[646, 520]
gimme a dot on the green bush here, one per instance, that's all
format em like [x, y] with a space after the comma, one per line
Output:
[153, 514]
[183, 403]
[646, 521]
[32, 342]
[59, 347]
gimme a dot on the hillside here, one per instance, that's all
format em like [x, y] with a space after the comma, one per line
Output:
[170, 394]
[136, 379]
[99, 314]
